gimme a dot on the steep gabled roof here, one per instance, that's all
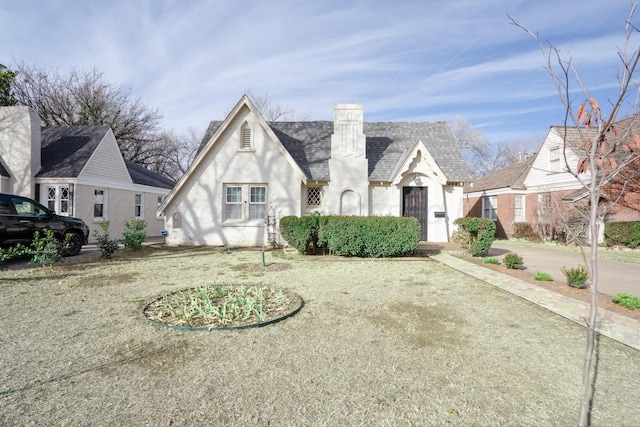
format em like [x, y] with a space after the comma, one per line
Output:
[143, 176]
[3, 171]
[66, 149]
[510, 177]
[388, 143]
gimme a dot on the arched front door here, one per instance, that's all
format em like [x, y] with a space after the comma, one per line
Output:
[414, 203]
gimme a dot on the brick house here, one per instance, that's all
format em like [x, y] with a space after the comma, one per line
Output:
[541, 192]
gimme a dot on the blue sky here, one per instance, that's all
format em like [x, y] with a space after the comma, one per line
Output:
[404, 60]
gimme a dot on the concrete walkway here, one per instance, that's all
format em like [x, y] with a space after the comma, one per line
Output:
[615, 326]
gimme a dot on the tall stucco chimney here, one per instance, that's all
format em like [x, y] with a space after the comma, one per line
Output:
[348, 167]
[20, 148]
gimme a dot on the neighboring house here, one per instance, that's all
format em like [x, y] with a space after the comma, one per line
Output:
[502, 197]
[543, 193]
[249, 173]
[77, 171]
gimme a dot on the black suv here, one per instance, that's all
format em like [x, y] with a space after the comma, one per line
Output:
[21, 217]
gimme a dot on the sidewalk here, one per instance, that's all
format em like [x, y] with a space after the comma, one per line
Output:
[615, 326]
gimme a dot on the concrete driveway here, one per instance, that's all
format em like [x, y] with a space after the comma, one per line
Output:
[613, 277]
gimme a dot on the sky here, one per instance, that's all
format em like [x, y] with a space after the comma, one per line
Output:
[404, 60]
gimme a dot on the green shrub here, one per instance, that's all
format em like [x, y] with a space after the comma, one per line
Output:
[134, 234]
[107, 245]
[369, 236]
[576, 277]
[7, 253]
[524, 230]
[481, 234]
[512, 260]
[46, 249]
[626, 300]
[491, 260]
[300, 232]
[543, 277]
[352, 235]
[622, 233]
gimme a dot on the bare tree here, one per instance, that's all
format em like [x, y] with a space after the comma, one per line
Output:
[605, 149]
[482, 156]
[179, 151]
[86, 98]
[271, 111]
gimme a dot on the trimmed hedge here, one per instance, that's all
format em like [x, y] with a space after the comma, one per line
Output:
[353, 235]
[476, 234]
[622, 233]
[301, 233]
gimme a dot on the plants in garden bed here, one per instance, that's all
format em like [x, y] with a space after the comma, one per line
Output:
[512, 260]
[220, 306]
[491, 260]
[543, 277]
[576, 276]
[626, 300]
[134, 234]
[107, 245]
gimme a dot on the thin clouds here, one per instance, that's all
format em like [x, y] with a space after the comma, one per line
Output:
[404, 60]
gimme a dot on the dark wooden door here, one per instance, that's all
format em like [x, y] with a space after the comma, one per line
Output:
[414, 203]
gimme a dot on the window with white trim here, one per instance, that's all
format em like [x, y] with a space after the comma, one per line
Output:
[59, 200]
[554, 159]
[137, 207]
[99, 204]
[490, 207]
[518, 208]
[245, 202]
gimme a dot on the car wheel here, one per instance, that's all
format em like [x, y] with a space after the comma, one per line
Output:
[73, 245]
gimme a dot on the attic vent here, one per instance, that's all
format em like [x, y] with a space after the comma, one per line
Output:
[245, 142]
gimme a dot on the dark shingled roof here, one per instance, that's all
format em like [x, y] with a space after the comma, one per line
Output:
[143, 176]
[309, 144]
[66, 149]
[510, 177]
[3, 171]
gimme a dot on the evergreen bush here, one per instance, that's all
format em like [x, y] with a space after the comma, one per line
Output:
[576, 277]
[134, 234]
[512, 260]
[622, 233]
[481, 232]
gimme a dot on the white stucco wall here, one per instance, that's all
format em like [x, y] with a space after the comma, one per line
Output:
[196, 214]
[20, 145]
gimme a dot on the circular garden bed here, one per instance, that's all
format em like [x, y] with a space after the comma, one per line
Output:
[216, 307]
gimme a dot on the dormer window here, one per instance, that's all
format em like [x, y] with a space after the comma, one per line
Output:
[246, 140]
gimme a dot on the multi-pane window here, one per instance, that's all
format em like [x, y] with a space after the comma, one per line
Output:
[59, 200]
[314, 196]
[245, 202]
[257, 202]
[233, 209]
[490, 207]
[98, 204]
[554, 159]
[137, 205]
[518, 208]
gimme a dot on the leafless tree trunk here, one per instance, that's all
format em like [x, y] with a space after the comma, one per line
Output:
[605, 149]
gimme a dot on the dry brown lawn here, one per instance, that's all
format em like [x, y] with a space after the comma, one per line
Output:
[384, 342]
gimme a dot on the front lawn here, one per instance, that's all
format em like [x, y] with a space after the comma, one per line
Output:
[382, 342]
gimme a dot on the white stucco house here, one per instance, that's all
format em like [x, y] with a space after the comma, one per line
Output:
[77, 171]
[249, 173]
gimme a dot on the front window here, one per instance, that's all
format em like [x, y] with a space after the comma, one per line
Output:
[26, 207]
[138, 206]
[314, 196]
[518, 208]
[233, 208]
[99, 201]
[554, 159]
[257, 203]
[490, 207]
[59, 200]
[245, 202]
